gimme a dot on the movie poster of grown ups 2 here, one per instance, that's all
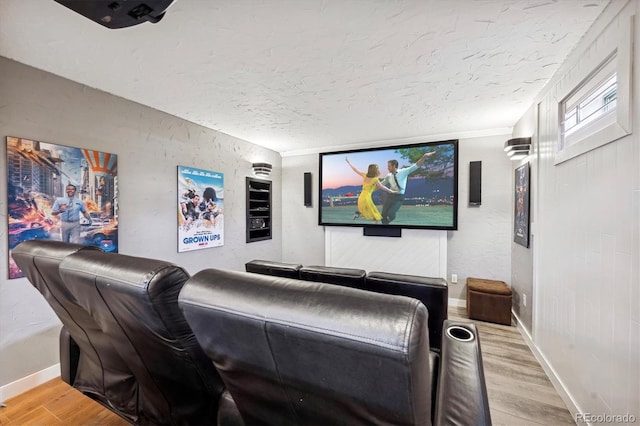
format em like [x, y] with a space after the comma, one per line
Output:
[200, 209]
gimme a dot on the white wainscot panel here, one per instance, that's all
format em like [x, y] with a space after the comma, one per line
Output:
[417, 252]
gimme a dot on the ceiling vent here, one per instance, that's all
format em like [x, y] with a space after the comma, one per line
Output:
[119, 13]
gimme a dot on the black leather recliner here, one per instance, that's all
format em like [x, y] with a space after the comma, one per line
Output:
[432, 292]
[304, 353]
[124, 341]
[137, 308]
[88, 359]
[330, 354]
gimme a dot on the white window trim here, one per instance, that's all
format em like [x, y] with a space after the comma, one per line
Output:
[616, 39]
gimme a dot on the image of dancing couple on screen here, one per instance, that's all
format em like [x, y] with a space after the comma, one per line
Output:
[370, 182]
[394, 184]
[397, 181]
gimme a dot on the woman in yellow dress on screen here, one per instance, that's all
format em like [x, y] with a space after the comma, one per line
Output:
[366, 208]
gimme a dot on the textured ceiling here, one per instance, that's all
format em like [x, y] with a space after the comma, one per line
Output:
[307, 75]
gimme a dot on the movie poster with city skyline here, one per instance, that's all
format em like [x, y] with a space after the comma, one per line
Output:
[39, 175]
[200, 209]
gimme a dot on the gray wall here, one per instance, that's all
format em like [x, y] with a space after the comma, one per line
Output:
[522, 257]
[302, 238]
[150, 145]
[480, 246]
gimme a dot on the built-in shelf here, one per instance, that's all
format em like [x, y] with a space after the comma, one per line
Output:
[258, 210]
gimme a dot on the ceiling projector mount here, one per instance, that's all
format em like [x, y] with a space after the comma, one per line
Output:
[119, 13]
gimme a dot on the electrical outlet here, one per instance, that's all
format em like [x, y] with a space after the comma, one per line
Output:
[524, 299]
[454, 278]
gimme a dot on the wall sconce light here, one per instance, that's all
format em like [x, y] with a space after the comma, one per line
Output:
[261, 169]
[517, 148]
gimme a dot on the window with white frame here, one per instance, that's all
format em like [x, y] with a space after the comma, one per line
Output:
[592, 106]
[594, 97]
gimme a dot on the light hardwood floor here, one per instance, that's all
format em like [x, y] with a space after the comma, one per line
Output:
[519, 391]
[56, 403]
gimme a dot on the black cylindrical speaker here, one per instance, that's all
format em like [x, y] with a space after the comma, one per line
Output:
[475, 183]
[307, 189]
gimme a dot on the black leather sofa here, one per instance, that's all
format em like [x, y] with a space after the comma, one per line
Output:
[295, 352]
[432, 292]
[127, 342]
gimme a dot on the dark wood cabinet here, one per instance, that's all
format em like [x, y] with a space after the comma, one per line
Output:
[258, 210]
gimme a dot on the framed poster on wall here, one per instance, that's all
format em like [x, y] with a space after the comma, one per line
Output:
[522, 198]
[200, 209]
[57, 192]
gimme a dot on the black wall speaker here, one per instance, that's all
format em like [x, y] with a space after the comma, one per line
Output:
[307, 189]
[475, 183]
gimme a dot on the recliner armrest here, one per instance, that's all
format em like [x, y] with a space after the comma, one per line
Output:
[348, 277]
[69, 357]
[269, 267]
[462, 391]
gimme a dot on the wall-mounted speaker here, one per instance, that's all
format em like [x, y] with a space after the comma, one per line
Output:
[378, 231]
[307, 189]
[475, 183]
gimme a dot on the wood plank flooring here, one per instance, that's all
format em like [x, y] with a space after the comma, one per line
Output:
[519, 391]
[56, 403]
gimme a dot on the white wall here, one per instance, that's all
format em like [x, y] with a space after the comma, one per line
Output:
[417, 252]
[150, 145]
[586, 318]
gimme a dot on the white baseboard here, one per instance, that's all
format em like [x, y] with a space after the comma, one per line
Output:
[24, 384]
[461, 303]
[551, 374]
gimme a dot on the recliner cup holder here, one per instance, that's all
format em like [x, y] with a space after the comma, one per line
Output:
[460, 333]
